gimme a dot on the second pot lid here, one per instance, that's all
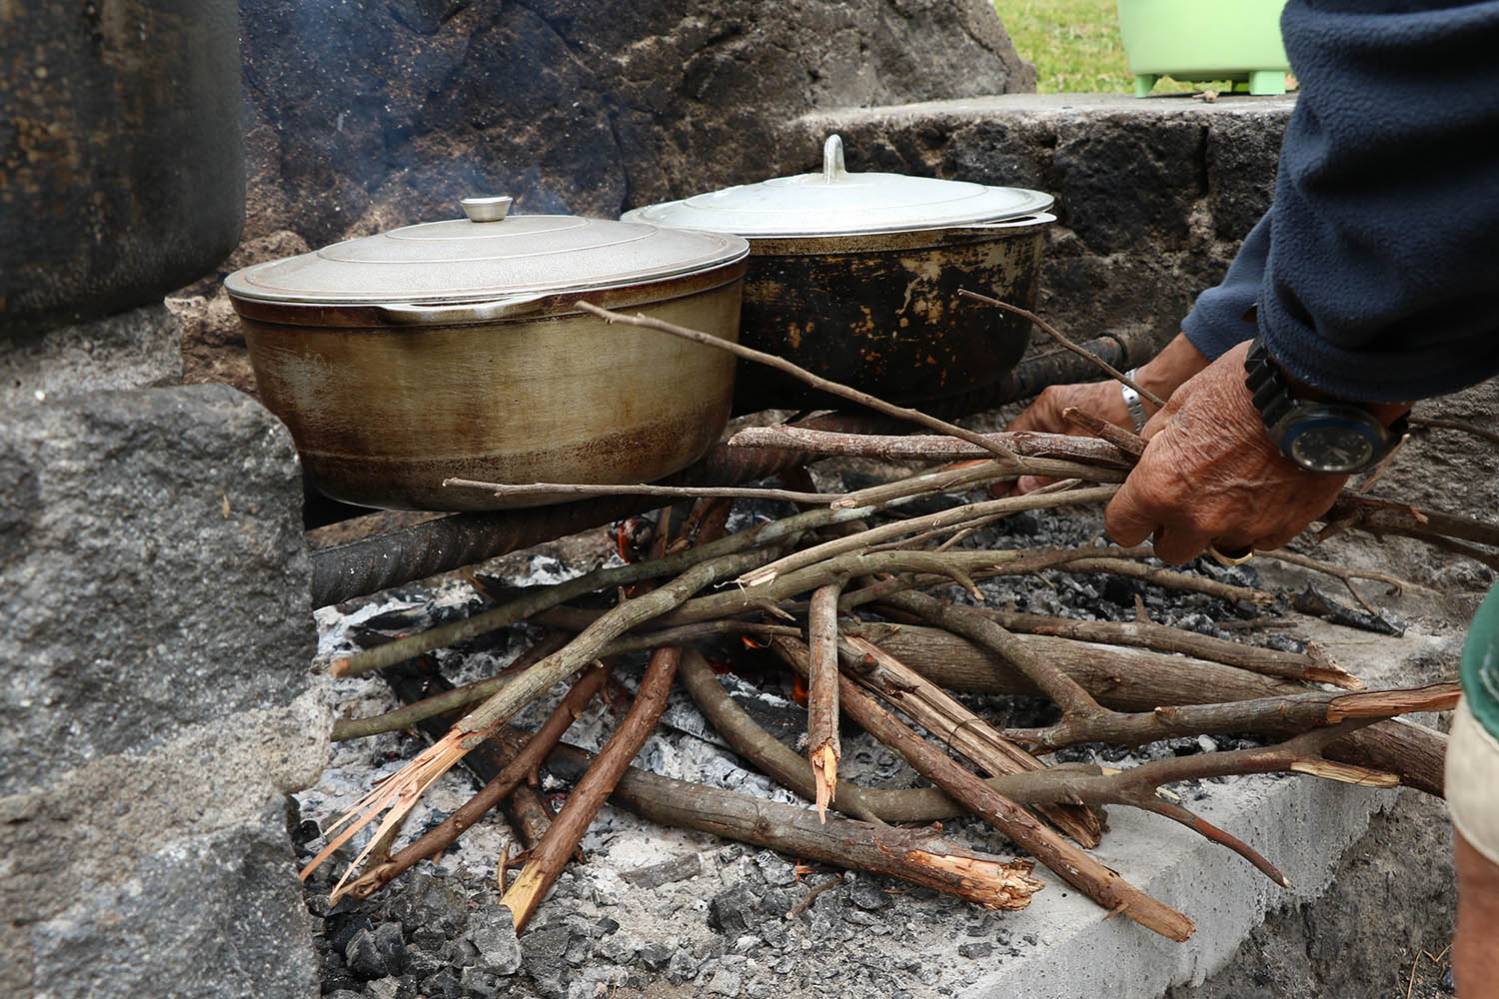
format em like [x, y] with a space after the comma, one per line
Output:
[487, 256]
[838, 203]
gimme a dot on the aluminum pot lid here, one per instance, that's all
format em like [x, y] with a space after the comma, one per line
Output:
[489, 255]
[838, 203]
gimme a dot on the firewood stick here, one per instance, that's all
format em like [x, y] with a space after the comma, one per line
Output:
[823, 747]
[1127, 442]
[409, 715]
[1283, 714]
[394, 797]
[926, 447]
[764, 751]
[914, 525]
[1437, 423]
[1134, 680]
[917, 856]
[1058, 336]
[1304, 666]
[528, 816]
[1345, 575]
[515, 773]
[537, 599]
[1052, 467]
[1068, 862]
[802, 374]
[503, 489]
[556, 847]
[950, 722]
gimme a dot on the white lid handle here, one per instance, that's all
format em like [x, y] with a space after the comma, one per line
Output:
[486, 209]
[833, 169]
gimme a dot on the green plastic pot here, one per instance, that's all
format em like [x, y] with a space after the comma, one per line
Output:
[1203, 40]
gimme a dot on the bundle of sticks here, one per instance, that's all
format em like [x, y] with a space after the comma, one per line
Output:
[848, 593]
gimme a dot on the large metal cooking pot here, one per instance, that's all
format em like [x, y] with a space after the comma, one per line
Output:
[855, 277]
[455, 349]
[121, 170]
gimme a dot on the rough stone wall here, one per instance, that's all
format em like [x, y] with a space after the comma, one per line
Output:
[156, 697]
[1153, 196]
[363, 115]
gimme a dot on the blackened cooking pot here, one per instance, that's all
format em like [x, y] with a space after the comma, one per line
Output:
[854, 276]
[456, 349]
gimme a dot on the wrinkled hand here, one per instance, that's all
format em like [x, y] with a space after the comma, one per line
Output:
[1211, 475]
[1179, 361]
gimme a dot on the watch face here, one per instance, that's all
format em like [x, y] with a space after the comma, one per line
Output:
[1333, 443]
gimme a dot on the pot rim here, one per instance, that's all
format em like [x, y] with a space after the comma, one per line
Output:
[900, 239]
[390, 316]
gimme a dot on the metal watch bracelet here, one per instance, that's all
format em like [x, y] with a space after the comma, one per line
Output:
[1132, 400]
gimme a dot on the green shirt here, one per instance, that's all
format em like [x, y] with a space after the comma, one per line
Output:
[1480, 667]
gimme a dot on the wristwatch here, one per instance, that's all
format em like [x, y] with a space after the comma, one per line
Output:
[1333, 438]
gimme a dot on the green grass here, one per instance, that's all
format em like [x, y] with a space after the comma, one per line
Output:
[1075, 45]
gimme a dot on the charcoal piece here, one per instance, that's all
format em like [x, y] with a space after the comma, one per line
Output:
[376, 953]
[681, 868]
[1317, 604]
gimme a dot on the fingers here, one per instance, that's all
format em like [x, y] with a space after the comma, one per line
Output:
[1177, 543]
[1044, 415]
[1129, 519]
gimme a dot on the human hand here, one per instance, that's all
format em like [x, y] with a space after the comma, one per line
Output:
[1179, 361]
[1211, 475]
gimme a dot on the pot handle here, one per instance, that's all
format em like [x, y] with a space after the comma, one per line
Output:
[1036, 218]
[833, 169]
[453, 315]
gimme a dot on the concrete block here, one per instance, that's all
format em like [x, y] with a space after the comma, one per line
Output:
[154, 573]
[134, 349]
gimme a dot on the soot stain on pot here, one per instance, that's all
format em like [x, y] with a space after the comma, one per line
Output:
[892, 321]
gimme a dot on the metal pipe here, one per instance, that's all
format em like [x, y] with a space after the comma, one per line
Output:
[380, 561]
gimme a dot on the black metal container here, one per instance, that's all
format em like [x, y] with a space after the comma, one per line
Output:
[121, 165]
[855, 276]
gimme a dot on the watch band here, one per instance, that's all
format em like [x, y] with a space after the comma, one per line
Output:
[1132, 400]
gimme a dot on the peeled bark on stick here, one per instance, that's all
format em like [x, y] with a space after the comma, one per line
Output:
[926, 447]
[823, 747]
[918, 856]
[1071, 864]
[556, 848]
[965, 732]
[1137, 680]
[518, 770]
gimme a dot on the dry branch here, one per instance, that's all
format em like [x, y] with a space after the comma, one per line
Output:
[537, 599]
[1071, 864]
[965, 732]
[399, 793]
[926, 447]
[918, 856]
[803, 375]
[505, 489]
[518, 770]
[823, 747]
[1127, 442]
[1057, 335]
[913, 525]
[1137, 680]
[1302, 666]
[552, 853]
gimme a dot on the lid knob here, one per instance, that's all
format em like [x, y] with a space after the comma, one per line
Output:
[486, 209]
[833, 169]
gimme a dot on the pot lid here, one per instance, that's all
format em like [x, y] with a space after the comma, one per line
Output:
[838, 203]
[488, 255]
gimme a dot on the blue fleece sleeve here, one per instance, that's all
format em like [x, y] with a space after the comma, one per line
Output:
[1381, 281]
[1225, 315]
